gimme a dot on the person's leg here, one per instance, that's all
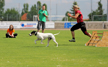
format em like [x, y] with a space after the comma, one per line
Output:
[7, 35]
[38, 26]
[84, 30]
[75, 27]
[73, 34]
[15, 35]
[43, 27]
[42, 31]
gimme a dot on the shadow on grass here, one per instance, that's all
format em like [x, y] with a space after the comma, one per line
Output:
[3, 37]
[70, 45]
[8, 38]
[33, 46]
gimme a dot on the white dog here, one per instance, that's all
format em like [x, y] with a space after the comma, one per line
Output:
[43, 36]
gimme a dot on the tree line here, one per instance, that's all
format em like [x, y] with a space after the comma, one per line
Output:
[13, 14]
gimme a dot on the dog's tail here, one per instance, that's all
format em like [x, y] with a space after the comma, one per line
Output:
[57, 33]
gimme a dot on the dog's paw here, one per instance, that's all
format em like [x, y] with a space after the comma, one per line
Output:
[56, 46]
[35, 42]
[42, 43]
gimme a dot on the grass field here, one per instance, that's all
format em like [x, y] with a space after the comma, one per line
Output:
[23, 52]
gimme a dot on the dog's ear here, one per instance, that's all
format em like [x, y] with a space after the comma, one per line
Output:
[33, 31]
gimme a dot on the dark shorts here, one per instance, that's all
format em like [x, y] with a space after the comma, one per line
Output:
[81, 26]
[39, 25]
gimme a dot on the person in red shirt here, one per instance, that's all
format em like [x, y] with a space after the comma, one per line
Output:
[80, 23]
[10, 32]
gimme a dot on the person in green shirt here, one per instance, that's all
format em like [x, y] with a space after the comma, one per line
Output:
[42, 15]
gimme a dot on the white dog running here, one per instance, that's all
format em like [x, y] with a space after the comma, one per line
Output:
[43, 36]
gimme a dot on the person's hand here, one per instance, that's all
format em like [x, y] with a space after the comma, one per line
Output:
[69, 14]
[12, 35]
[38, 19]
[44, 14]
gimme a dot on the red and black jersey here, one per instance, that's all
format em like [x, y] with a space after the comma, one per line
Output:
[80, 17]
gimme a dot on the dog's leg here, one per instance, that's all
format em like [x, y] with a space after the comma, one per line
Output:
[48, 42]
[42, 41]
[36, 40]
[55, 42]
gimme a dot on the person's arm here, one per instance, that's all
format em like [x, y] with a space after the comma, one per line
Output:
[38, 17]
[45, 15]
[76, 15]
[8, 32]
[12, 35]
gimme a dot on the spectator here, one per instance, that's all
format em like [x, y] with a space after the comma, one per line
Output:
[10, 32]
[42, 15]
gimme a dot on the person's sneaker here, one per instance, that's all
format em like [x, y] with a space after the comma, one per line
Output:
[72, 40]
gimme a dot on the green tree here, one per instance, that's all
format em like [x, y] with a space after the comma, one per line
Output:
[2, 3]
[38, 5]
[11, 15]
[71, 12]
[25, 9]
[98, 11]
[33, 11]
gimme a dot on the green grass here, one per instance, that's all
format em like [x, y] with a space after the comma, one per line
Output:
[23, 52]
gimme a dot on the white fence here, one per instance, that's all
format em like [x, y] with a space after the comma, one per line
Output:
[53, 25]
[24, 24]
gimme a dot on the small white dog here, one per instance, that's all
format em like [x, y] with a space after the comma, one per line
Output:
[43, 36]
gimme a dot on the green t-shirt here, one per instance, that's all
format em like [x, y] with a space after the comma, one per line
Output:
[41, 16]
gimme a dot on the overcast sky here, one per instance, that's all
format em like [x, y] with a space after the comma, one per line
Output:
[62, 5]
